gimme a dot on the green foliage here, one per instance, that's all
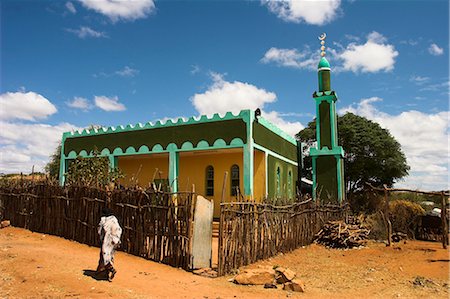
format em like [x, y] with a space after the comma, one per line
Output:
[94, 171]
[52, 167]
[371, 153]
[404, 215]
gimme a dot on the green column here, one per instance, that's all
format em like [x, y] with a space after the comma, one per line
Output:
[62, 163]
[248, 155]
[173, 167]
[112, 161]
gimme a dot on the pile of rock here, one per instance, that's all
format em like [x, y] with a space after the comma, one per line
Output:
[275, 277]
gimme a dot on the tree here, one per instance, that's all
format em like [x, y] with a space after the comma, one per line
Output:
[371, 153]
[92, 171]
[52, 167]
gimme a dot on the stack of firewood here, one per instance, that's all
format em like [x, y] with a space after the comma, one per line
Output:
[338, 234]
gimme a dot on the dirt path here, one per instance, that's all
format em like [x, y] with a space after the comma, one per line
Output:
[37, 265]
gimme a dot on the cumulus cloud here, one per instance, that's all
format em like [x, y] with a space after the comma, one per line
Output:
[223, 96]
[79, 103]
[293, 58]
[85, 32]
[109, 104]
[125, 10]
[435, 50]
[275, 117]
[70, 7]
[24, 145]
[373, 56]
[310, 12]
[25, 105]
[424, 140]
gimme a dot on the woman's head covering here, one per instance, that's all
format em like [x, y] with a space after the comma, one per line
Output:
[106, 212]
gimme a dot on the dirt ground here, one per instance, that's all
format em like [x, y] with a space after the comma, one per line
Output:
[33, 265]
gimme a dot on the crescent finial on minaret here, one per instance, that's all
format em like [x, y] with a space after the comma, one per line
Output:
[322, 38]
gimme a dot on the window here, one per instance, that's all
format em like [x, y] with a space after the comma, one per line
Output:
[290, 184]
[234, 180]
[278, 181]
[209, 175]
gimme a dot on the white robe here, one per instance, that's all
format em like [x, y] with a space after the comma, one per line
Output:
[110, 232]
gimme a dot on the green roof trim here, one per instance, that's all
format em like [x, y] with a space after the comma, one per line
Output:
[276, 130]
[194, 133]
[325, 151]
[158, 124]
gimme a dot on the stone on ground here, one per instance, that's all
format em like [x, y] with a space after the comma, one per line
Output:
[256, 277]
[284, 274]
[295, 285]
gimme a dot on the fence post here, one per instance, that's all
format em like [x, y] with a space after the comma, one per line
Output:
[220, 265]
[386, 208]
[444, 221]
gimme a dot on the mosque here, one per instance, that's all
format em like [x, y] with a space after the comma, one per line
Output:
[261, 161]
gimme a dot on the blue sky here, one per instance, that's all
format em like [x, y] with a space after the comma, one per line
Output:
[70, 64]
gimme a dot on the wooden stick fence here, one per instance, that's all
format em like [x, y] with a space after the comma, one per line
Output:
[443, 195]
[156, 225]
[251, 231]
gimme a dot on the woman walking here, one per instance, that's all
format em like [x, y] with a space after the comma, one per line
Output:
[109, 231]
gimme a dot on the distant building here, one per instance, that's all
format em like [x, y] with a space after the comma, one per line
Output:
[261, 159]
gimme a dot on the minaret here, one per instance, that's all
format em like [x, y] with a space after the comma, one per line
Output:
[327, 158]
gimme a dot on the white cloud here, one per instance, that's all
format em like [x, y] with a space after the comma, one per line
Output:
[291, 58]
[24, 145]
[419, 80]
[121, 9]
[373, 56]
[223, 96]
[85, 32]
[79, 103]
[435, 50]
[275, 117]
[25, 105]
[109, 104]
[70, 7]
[310, 12]
[424, 139]
[127, 72]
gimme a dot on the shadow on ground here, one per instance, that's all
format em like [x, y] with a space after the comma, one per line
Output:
[95, 275]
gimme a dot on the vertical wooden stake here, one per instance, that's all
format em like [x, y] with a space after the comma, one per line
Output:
[389, 224]
[220, 264]
[444, 221]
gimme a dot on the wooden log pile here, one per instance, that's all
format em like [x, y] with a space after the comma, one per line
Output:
[338, 234]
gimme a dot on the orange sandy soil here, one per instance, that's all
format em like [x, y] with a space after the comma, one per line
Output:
[33, 265]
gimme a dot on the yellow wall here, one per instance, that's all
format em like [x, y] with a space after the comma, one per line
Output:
[192, 169]
[259, 175]
[129, 165]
